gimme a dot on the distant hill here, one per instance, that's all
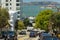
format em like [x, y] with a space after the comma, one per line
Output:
[41, 3]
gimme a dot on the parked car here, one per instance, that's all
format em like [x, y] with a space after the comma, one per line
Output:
[47, 36]
[40, 33]
[22, 33]
[33, 34]
[4, 34]
[12, 35]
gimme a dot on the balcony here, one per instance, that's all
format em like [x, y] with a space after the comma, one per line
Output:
[11, 20]
[18, 18]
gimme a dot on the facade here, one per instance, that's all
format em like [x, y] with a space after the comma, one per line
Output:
[14, 16]
[31, 19]
[15, 10]
[0, 2]
[14, 5]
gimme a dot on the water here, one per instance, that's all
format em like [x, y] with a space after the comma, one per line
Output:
[31, 10]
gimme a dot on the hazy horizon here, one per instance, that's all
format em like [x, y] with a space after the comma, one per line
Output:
[40, 0]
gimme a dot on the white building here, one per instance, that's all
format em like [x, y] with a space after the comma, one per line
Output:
[31, 19]
[14, 15]
[11, 4]
[15, 10]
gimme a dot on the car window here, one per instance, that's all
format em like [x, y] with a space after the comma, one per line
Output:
[46, 34]
[11, 32]
[4, 32]
[50, 38]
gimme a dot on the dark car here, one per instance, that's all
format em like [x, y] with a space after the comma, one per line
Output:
[47, 36]
[12, 35]
[42, 33]
[33, 34]
[22, 33]
[4, 34]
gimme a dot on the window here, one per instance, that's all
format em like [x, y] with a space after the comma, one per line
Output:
[10, 8]
[17, 4]
[18, 12]
[10, 0]
[10, 4]
[6, 4]
[17, 0]
[18, 16]
[6, 0]
[17, 8]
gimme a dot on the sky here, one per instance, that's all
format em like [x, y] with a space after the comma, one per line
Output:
[40, 0]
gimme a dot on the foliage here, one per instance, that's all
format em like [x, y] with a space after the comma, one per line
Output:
[4, 16]
[20, 25]
[42, 19]
[55, 18]
[26, 22]
[16, 25]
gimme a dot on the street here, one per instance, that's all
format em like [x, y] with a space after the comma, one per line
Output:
[1, 39]
[26, 37]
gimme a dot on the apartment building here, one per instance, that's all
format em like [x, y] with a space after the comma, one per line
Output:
[15, 10]
[14, 5]
[14, 16]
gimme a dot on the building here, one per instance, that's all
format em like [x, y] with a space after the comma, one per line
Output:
[14, 16]
[14, 5]
[0, 3]
[15, 10]
[31, 19]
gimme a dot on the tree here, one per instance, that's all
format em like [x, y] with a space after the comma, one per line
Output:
[55, 18]
[20, 25]
[42, 19]
[26, 22]
[4, 16]
[16, 25]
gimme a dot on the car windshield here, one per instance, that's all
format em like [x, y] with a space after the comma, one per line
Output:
[11, 32]
[3, 32]
[32, 32]
[46, 34]
[50, 38]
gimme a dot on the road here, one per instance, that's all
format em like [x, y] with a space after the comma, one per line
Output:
[26, 37]
[1, 39]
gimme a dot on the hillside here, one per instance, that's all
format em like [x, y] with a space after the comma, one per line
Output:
[41, 3]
